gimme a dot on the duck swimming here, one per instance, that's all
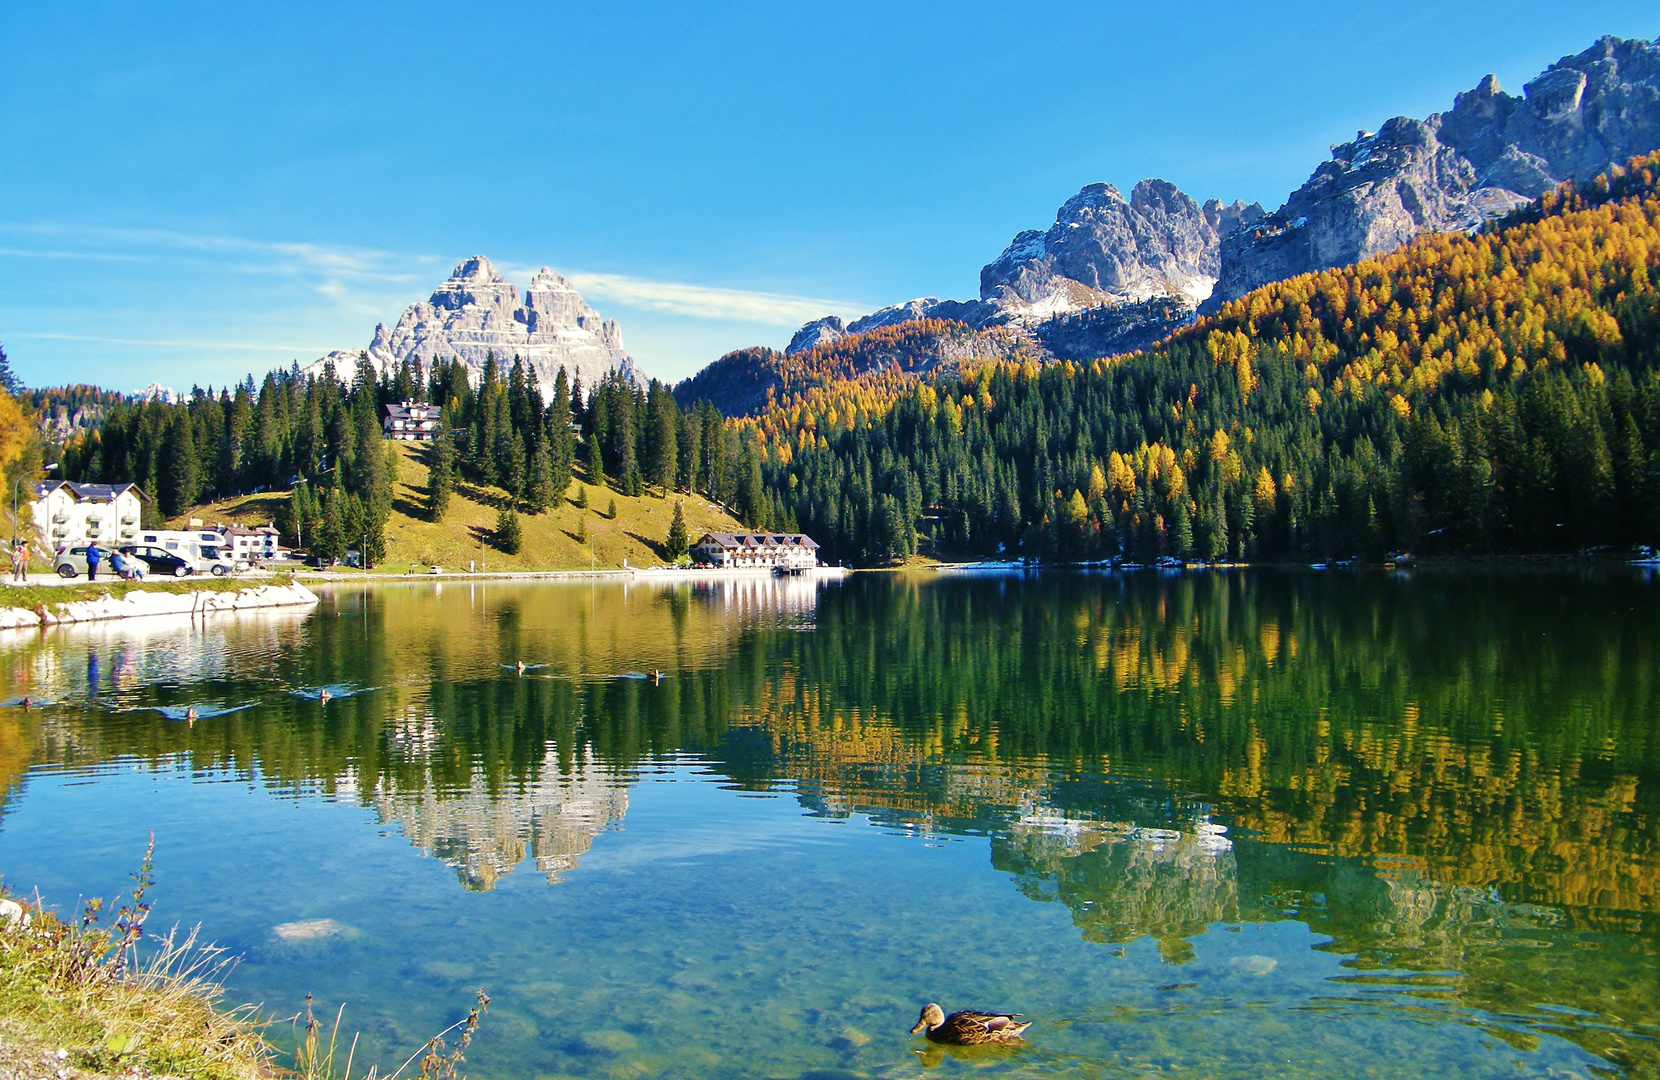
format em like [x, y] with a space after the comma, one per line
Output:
[969, 1027]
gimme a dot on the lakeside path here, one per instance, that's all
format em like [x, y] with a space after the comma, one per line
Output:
[49, 601]
[626, 573]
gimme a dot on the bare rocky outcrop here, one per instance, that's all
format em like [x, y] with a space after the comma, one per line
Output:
[818, 332]
[1106, 249]
[477, 312]
[1489, 154]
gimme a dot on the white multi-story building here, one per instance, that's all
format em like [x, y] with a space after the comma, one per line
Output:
[257, 544]
[67, 514]
[740, 550]
[411, 421]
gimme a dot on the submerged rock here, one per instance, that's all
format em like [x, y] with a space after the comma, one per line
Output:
[309, 931]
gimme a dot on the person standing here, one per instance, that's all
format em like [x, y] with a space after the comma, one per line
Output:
[20, 561]
[93, 558]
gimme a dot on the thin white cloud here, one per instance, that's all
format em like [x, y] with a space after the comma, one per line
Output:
[365, 281]
[341, 291]
[709, 301]
[247, 346]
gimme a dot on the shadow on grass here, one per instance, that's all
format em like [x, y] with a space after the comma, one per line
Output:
[484, 495]
[654, 546]
[410, 509]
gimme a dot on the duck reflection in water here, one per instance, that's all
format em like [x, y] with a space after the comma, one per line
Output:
[192, 713]
[326, 694]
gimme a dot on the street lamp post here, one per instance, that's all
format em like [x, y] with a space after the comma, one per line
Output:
[15, 485]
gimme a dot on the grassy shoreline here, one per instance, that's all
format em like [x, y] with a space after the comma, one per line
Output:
[36, 597]
[77, 1001]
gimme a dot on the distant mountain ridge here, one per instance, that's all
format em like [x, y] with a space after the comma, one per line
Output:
[1104, 250]
[1456, 170]
[476, 312]
[1114, 273]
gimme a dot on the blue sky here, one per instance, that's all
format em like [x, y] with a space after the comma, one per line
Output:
[192, 192]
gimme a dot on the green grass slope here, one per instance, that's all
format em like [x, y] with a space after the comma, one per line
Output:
[464, 536]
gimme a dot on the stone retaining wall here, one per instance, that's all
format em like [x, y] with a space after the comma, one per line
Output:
[139, 603]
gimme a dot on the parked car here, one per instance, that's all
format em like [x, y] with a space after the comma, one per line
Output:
[158, 560]
[71, 563]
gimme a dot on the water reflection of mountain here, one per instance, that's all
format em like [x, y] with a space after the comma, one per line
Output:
[1455, 773]
[1495, 732]
[485, 831]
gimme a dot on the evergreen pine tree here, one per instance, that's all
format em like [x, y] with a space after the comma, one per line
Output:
[440, 470]
[508, 535]
[178, 489]
[329, 538]
[611, 511]
[9, 382]
[558, 438]
[539, 491]
[596, 462]
[677, 543]
[582, 496]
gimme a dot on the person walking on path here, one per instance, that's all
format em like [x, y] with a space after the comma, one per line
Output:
[93, 558]
[20, 562]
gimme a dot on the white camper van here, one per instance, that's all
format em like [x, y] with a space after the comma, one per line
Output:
[204, 549]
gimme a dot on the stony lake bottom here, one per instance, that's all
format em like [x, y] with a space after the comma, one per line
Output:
[1222, 825]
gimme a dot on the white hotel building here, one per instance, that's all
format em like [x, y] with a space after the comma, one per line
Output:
[68, 514]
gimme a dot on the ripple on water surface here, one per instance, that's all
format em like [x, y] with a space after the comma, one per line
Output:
[1229, 825]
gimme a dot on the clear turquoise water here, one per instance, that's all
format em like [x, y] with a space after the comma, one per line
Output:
[1438, 792]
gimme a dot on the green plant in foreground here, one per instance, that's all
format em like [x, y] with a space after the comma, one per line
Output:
[81, 986]
[315, 1061]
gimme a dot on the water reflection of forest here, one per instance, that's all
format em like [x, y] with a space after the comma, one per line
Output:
[1491, 731]
[1429, 768]
[1441, 772]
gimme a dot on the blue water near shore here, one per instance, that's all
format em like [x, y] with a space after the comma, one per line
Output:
[766, 868]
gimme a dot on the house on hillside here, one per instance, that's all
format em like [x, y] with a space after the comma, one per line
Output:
[67, 514]
[257, 544]
[411, 421]
[741, 550]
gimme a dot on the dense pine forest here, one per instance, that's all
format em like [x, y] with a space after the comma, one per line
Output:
[322, 437]
[1466, 394]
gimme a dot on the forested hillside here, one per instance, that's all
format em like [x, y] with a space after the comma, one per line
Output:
[750, 381]
[322, 438]
[1465, 394]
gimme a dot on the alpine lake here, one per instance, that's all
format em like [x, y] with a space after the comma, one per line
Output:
[1225, 824]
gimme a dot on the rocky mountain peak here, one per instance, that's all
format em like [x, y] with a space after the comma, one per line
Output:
[1490, 153]
[476, 312]
[1106, 249]
[818, 332]
[1158, 250]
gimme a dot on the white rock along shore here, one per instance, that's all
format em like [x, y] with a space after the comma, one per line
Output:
[139, 603]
